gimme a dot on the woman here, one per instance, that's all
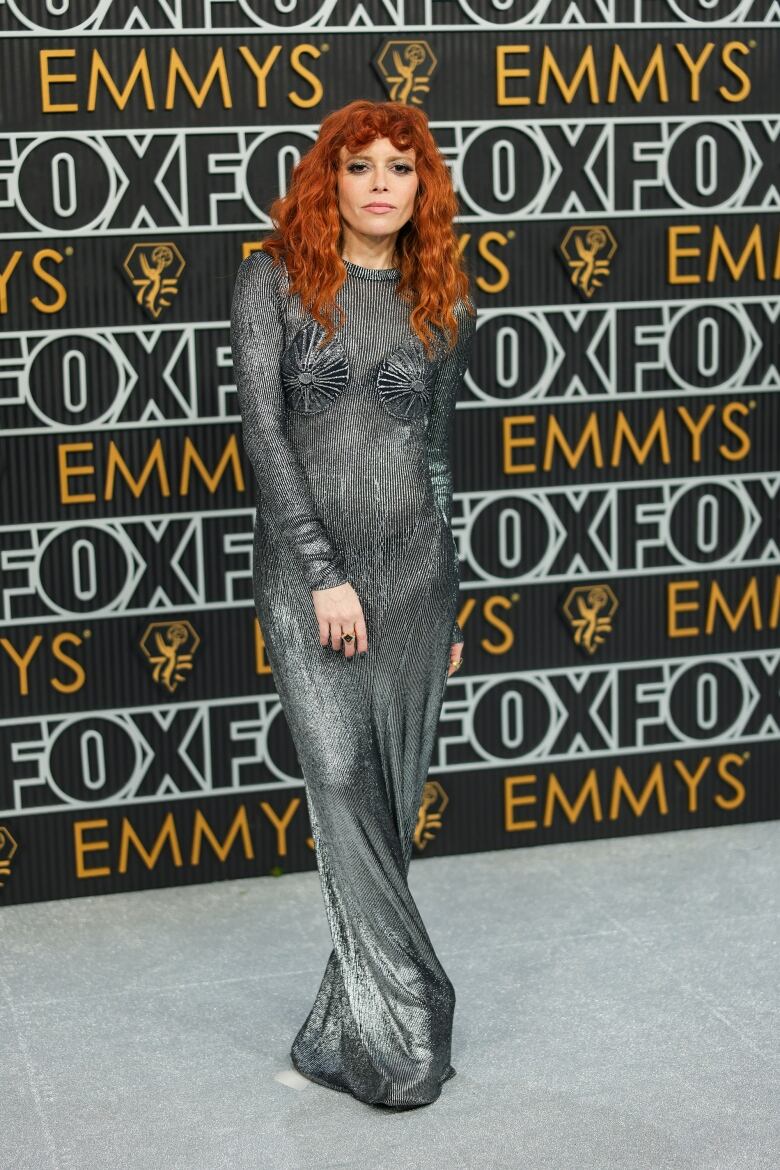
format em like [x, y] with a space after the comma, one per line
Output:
[347, 421]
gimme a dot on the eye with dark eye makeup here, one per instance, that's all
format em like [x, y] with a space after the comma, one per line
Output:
[352, 168]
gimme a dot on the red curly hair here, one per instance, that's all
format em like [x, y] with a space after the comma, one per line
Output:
[308, 224]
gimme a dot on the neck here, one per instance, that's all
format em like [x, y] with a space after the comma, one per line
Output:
[368, 252]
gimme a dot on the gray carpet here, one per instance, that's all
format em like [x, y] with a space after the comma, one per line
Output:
[617, 1007]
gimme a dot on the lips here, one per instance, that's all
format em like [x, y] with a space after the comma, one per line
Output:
[378, 207]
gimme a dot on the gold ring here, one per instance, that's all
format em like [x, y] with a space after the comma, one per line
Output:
[456, 663]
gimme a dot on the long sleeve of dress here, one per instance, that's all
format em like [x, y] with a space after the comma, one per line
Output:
[449, 379]
[256, 338]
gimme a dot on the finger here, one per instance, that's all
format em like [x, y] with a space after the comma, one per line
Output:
[324, 632]
[456, 650]
[335, 635]
[349, 647]
[361, 634]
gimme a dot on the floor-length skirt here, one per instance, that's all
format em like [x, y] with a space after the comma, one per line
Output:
[364, 729]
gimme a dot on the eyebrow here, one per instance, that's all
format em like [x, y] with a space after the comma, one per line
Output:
[392, 158]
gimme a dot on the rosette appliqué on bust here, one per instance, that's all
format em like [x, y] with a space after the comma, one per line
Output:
[313, 378]
[404, 381]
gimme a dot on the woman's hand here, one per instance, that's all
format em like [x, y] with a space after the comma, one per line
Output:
[338, 610]
[456, 650]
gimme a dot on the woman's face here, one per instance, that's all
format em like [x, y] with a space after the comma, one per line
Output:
[377, 188]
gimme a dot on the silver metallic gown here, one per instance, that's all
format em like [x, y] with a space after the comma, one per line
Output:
[350, 451]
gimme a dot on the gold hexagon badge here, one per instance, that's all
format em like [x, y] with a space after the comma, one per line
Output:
[154, 270]
[405, 67]
[170, 647]
[7, 849]
[429, 817]
[587, 251]
[589, 610]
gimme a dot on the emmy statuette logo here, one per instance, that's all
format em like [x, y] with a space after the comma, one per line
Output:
[169, 648]
[8, 848]
[154, 271]
[589, 610]
[587, 252]
[429, 818]
[405, 68]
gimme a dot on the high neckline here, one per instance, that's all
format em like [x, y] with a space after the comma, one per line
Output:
[370, 273]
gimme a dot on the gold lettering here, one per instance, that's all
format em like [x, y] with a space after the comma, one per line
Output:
[733, 781]
[250, 246]
[503, 71]
[620, 785]
[692, 782]
[281, 823]
[511, 442]
[47, 278]
[260, 71]
[5, 276]
[673, 607]
[167, 832]
[620, 66]
[230, 456]
[493, 261]
[511, 801]
[749, 600]
[695, 66]
[696, 428]
[736, 429]
[675, 252]
[81, 847]
[316, 85]
[22, 662]
[78, 670]
[736, 267]
[589, 790]
[262, 665]
[657, 431]
[218, 69]
[494, 620]
[100, 71]
[67, 473]
[155, 459]
[726, 53]
[48, 79]
[774, 610]
[590, 434]
[201, 828]
[585, 67]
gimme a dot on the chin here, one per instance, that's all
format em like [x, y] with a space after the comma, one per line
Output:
[384, 228]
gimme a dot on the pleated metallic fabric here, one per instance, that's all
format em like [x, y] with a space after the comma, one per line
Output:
[350, 451]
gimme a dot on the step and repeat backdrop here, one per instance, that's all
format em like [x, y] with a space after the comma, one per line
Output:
[616, 463]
